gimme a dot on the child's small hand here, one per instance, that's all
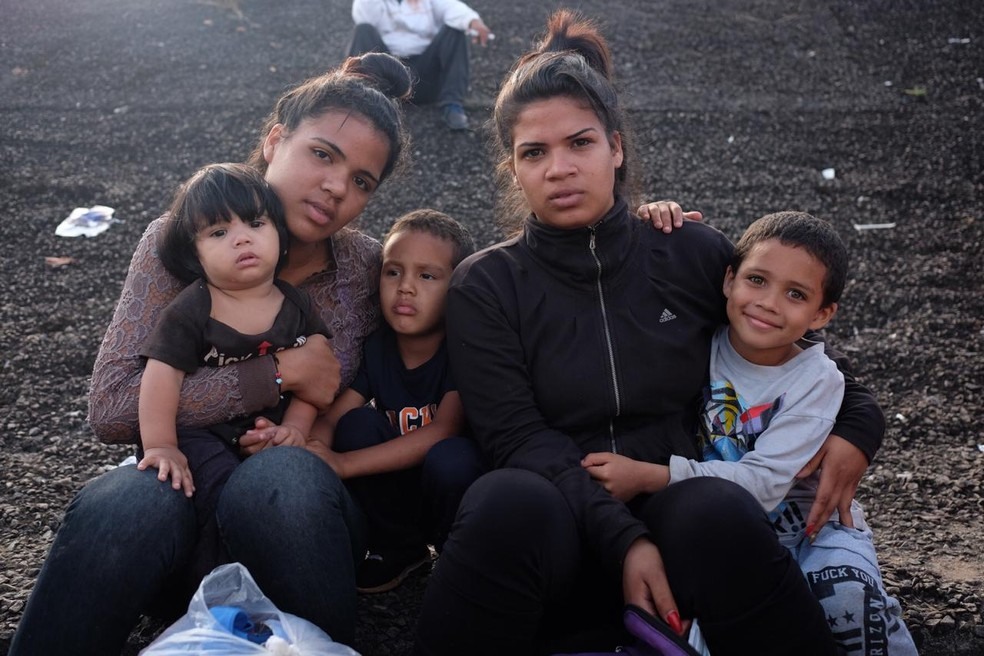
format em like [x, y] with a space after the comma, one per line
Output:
[287, 436]
[624, 477]
[259, 437]
[607, 469]
[666, 215]
[266, 433]
[170, 462]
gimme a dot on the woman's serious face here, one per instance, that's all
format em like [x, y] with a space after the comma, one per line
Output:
[324, 171]
[564, 162]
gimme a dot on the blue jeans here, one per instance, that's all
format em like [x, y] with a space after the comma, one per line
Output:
[126, 537]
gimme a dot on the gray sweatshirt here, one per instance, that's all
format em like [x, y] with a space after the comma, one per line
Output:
[762, 424]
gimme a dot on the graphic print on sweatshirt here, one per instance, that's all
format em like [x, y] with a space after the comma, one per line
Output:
[729, 428]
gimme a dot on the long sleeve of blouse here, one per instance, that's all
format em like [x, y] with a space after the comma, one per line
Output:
[345, 298]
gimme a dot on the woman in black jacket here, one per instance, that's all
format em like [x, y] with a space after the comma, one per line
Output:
[590, 331]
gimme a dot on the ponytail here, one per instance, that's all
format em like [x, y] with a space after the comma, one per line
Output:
[572, 60]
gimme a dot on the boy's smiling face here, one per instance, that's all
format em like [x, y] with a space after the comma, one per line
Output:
[413, 287]
[773, 299]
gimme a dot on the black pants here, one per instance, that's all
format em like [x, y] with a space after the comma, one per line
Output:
[515, 576]
[441, 71]
[413, 507]
[212, 461]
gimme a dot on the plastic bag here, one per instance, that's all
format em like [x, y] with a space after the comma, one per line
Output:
[86, 222]
[230, 615]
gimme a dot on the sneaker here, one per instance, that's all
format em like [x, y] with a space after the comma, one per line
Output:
[455, 117]
[384, 569]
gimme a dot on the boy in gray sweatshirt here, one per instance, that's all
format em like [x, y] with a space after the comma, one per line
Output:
[771, 402]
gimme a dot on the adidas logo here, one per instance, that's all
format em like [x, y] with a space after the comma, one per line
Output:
[666, 316]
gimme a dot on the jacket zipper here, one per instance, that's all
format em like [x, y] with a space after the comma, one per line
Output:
[608, 343]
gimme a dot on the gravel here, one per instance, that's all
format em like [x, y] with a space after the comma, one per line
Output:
[739, 105]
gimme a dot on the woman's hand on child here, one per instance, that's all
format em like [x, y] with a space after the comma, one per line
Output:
[644, 584]
[666, 215]
[311, 372]
[841, 467]
[170, 462]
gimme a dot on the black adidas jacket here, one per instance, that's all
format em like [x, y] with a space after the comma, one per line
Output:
[565, 342]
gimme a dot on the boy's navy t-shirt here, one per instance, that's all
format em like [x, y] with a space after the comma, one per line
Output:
[407, 397]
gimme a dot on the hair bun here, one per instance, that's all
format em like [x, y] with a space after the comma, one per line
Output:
[382, 71]
[570, 30]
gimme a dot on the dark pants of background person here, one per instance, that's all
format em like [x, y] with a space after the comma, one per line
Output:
[441, 71]
[516, 578]
[413, 507]
[126, 537]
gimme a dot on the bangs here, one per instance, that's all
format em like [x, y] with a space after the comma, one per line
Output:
[221, 199]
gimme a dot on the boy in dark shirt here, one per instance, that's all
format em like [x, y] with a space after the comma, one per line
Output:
[409, 487]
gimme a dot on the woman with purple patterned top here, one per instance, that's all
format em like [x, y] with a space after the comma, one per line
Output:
[124, 546]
